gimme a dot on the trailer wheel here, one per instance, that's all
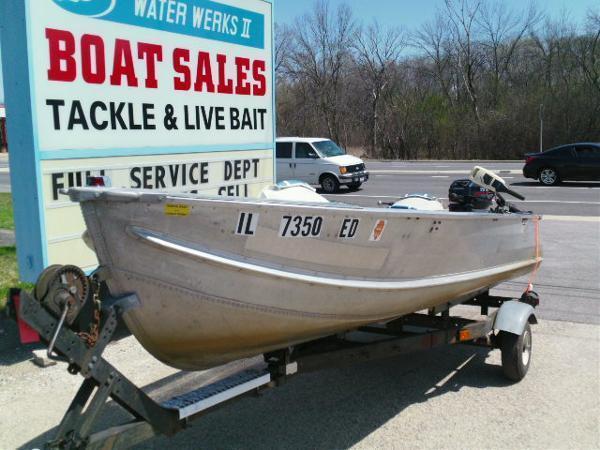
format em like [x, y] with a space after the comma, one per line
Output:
[516, 353]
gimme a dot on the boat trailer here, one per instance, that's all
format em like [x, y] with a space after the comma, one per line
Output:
[507, 328]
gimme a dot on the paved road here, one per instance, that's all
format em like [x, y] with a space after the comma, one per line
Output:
[392, 179]
[569, 278]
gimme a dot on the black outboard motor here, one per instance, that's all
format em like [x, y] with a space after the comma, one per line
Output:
[466, 195]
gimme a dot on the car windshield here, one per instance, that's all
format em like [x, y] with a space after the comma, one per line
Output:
[328, 148]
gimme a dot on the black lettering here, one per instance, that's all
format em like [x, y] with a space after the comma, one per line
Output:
[262, 112]
[94, 118]
[147, 177]
[148, 116]
[159, 176]
[186, 119]
[57, 184]
[77, 116]
[220, 116]
[237, 169]
[255, 162]
[344, 228]
[234, 114]
[55, 112]
[174, 172]
[132, 124]
[116, 116]
[191, 177]
[207, 120]
[248, 230]
[133, 174]
[353, 228]
[228, 171]
[204, 172]
[241, 223]
[247, 165]
[246, 120]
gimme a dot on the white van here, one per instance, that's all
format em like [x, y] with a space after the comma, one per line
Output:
[319, 162]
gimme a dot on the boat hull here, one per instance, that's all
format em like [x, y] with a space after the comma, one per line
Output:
[215, 286]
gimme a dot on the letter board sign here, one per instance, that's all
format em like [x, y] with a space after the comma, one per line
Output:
[176, 95]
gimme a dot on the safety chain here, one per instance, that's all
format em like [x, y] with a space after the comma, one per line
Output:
[90, 338]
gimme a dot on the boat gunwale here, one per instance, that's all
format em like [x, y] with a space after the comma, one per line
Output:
[124, 195]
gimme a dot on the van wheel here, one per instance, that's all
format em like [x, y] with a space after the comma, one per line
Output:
[329, 184]
[354, 186]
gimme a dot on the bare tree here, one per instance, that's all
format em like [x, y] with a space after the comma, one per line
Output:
[471, 88]
[377, 53]
[321, 55]
[502, 31]
[283, 41]
[462, 16]
[432, 38]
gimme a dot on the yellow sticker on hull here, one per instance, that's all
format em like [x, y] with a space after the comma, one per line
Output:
[177, 209]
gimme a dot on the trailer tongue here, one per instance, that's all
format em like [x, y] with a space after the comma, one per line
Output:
[77, 318]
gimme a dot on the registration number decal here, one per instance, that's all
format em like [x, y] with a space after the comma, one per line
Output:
[349, 228]
[247, 223]
[300, 226]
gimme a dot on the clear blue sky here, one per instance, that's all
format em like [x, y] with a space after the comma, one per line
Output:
[411, 13]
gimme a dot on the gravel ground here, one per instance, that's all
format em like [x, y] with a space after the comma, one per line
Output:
[452, 397]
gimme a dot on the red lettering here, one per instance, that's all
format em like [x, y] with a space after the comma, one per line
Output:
[150, 53]
[123, 64]
[183, 83]
[93, 67]
[61, 47]
[243, 87]
[225, 84]
[204, 73]
[258, 73]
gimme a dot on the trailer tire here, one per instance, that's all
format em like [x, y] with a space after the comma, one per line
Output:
[516, 353]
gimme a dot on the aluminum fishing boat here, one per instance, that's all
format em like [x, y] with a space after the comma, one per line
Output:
[220, 279]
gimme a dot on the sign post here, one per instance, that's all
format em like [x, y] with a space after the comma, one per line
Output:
[174, 95]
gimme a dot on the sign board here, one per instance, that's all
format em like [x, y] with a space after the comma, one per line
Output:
[175, 95]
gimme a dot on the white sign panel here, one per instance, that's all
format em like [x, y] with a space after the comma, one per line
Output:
[156, 94]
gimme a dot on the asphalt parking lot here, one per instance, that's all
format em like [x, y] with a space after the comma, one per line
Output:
[452, 397]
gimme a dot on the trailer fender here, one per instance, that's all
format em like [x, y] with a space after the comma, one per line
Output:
[513, 316]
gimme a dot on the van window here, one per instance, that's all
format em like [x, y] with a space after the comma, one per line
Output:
[328, 148]
[284, 149]
[304, 150]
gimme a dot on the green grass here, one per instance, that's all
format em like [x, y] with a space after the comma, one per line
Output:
[6, 212]
[9, 273]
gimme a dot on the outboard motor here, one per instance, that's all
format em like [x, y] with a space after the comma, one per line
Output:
[466, 195]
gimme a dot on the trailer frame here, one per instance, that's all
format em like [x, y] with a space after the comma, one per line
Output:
[103, 381]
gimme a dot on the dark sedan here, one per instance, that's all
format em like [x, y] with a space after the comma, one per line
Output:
[567, 162]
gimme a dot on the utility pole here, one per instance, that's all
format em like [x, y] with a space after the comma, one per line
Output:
[541, 126]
